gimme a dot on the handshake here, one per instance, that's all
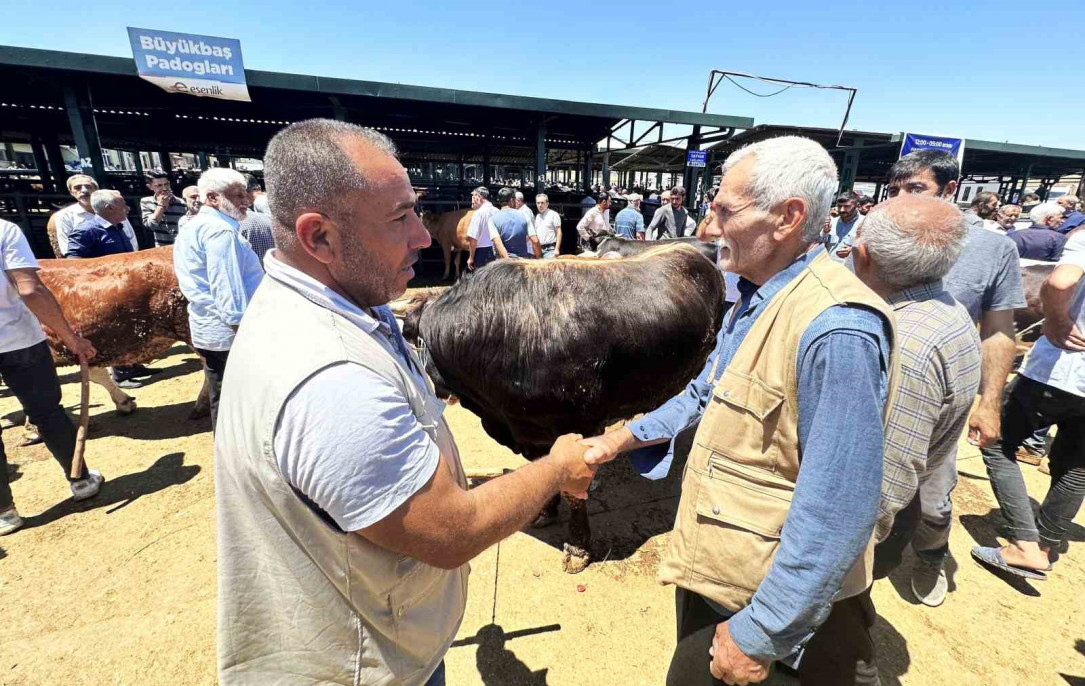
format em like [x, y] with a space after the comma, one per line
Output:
[580, 457]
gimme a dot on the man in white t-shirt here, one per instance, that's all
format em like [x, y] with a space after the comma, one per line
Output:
[64, 221]
[26, 365]
[547, 227]
[1050, 389]
[479, 236]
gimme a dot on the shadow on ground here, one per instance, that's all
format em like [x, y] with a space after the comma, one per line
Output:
[149, 423]
[499, 666]
[892, 652]
[182, 368]
[168, 470]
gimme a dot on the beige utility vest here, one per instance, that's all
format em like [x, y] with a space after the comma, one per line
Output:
[299, 601]
[742, 469]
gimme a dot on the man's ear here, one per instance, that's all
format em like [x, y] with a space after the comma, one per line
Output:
[313, 230]
[792, 214]
[950, 190]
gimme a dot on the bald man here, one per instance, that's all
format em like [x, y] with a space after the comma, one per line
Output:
[906, 246]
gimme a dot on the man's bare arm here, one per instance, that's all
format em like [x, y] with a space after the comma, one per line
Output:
[446, 526]
[1056, 296]
[535, 247]
[997, 349]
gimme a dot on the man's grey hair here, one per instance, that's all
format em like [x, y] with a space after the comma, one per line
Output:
[306, 169]
[217, 180]
[913, 239]
[100, 200]
[519, 195]
[678, 190]
[1042, 212]
[633, 197]
[542, 196]
[791, 167]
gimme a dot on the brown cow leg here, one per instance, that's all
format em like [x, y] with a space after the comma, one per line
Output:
[577, 551]
[549, 514]
[124, 403]
[202, 408]
[447, 250]
[31, 435]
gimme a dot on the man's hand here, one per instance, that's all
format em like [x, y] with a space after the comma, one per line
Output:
[984, 425]
[730, 665]
[568, 451]
[1063, 333]
[164, 198]
[470, 264]
[603, 449]
[81, 347]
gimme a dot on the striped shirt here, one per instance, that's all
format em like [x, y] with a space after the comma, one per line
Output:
[256, 229]
[939, 377]
[164, 229]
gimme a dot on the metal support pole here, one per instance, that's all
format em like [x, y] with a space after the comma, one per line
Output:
[588, 172]
[606, 169]
[849, 169]
[56, 164]
[201, 159]
[486, 166]
[139, 162]
[167, 163]
[41, 163]
[85, 130]
[540, 158]
[689, 174]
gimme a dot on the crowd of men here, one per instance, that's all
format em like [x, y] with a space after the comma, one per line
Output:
[827, 416]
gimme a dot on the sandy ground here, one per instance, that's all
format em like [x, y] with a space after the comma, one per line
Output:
[121, 589]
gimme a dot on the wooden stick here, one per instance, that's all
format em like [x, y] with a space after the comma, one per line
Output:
[84, 419]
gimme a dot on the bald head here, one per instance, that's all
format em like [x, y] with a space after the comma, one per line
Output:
[912, 240]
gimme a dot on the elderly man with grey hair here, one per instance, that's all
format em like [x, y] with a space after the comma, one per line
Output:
[906, 246]
[107, 233]
[523, 208]
[1041, 241]
[217, 270]
[774, 535]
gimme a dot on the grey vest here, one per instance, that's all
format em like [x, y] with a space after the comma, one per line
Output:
[299, 601]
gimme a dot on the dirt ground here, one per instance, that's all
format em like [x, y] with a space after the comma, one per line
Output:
[121, 589]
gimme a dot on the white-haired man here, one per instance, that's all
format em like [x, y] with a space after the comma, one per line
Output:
[523, 208]
[344, 520]
[629, 223]
[906, 245]
[774, 533]
[191, 195]
[217, 270]
[1072, 216]
[108, 232]
[63, 221]
[547, 227]
[1042, 240]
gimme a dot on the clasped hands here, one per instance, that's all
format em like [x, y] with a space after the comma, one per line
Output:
[581, 457]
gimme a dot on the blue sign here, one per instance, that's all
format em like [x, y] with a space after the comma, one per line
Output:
[917, 141]
[204, 66]
[696, 158]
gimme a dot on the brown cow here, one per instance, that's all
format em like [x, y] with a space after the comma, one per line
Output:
[128, 305]
[449, 229]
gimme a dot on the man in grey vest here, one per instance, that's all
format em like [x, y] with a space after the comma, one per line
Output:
[344, 520]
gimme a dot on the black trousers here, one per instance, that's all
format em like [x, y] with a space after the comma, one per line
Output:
[840, 653]
[31, 376]
[214, 366]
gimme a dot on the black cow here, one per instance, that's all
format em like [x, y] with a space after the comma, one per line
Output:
[627, 247]
[541, 348]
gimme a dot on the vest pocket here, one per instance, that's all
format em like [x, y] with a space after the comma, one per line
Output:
[424, 612]
[740, 516]
[748, 393]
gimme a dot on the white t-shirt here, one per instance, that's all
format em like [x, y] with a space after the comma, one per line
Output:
[19, 328]
[347, 439]
[479, 228]
[65, 221]
[547, 224]
[528, 215]
[1054, 366]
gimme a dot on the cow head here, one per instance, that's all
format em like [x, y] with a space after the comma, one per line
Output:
[597, 240]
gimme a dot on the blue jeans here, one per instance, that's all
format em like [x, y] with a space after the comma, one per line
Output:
[438, 678]
[548, 250]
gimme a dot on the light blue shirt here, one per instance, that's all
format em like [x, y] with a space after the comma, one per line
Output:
[629, 222]
[218, 273]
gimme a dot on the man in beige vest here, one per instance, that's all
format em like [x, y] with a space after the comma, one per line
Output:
[772, 544]
[344, 521]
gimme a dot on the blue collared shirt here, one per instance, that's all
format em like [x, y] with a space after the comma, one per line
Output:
[1072, 221]
[218, 273]
[629, 222]
[1038, 242]
[842, 363]
[97, 238]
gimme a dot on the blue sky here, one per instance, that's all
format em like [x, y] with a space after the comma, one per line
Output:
[1004, 71]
